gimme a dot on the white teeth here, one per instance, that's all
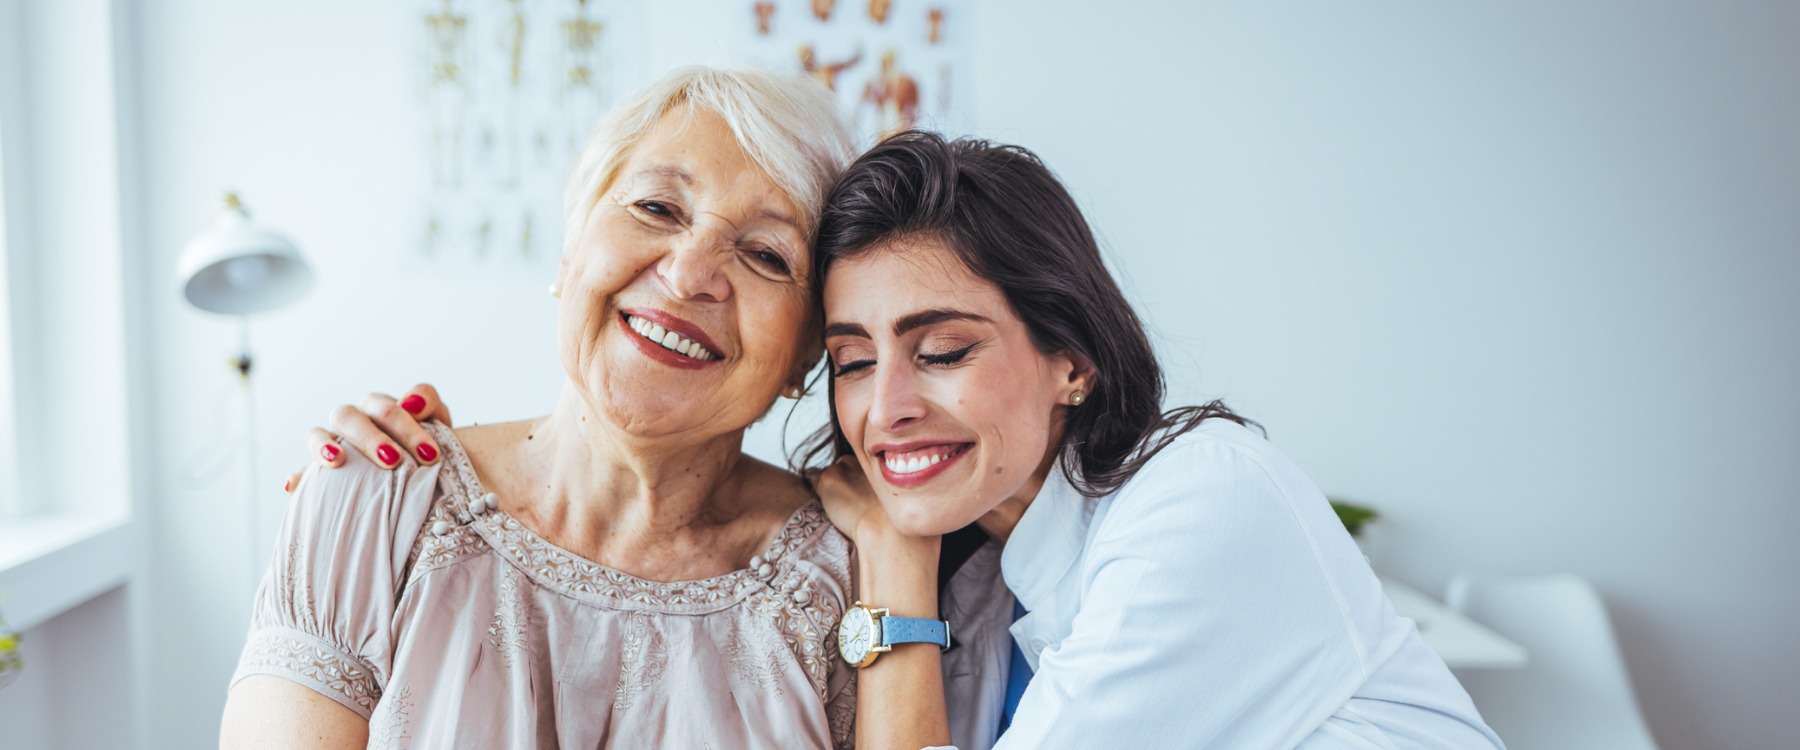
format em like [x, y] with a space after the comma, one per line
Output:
[668, 339]
[913, 464]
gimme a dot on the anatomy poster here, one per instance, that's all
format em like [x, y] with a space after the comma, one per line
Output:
[506, 92]
[894, 64]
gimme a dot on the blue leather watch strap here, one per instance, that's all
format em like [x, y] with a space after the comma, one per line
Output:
[896, 630]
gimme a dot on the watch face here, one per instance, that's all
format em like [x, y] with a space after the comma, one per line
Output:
[856, 634]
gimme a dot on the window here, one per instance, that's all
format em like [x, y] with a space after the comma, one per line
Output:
[10, 503]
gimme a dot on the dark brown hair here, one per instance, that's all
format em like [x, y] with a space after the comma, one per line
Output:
[1009, 220]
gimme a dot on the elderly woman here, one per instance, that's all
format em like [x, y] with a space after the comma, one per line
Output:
[617, 572]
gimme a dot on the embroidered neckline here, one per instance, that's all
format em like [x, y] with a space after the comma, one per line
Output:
[559, 569]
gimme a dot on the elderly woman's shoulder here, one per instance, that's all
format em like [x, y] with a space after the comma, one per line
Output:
[783, 499]
[772, 492]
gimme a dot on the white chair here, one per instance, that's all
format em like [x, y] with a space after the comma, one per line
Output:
[1574, 693]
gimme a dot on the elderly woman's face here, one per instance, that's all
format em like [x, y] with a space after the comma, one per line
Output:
[685, 297]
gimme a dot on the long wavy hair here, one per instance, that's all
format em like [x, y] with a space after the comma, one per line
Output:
[1011, 222]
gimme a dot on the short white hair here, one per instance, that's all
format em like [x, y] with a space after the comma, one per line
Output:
[788, 125]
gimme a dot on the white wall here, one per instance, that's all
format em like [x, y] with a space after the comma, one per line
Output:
[75, 691]
[1521, 274]
[1517, 275]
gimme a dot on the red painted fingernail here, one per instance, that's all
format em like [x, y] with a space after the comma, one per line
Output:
[427, 453]
[388, 455]
[330, 452]
[287, 485]
[413, 404]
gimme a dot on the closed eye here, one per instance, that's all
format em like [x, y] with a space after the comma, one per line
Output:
[947, 358]
[851, 367]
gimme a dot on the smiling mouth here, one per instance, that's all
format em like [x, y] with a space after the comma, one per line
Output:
[911, 468]
[915, 461]
[669, 340]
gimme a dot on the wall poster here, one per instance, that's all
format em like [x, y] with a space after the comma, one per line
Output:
[506, 92]
[894, 64]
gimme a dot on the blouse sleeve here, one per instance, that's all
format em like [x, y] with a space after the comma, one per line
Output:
[323, 615]
[1206, 619]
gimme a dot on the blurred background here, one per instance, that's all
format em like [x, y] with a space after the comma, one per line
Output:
[1521, 277]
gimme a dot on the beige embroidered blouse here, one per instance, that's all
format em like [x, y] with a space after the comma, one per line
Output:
[409, 598]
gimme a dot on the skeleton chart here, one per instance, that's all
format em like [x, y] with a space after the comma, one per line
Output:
[507, 92]
[894, 64]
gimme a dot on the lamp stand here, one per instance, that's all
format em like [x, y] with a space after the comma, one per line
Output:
[244, 363]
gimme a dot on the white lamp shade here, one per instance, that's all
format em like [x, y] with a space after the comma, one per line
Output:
[238, 268]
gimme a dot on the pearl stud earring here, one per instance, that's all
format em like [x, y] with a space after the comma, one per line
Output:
[1077, 397]
[556, 290]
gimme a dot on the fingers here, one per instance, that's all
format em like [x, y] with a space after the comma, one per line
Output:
[324, 448]
[293, 481]
[402, 426]
[359, 432]
[422, 402]
[383, 429]
[845, 470]
[841, 476]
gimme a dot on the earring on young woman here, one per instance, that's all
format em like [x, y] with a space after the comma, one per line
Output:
[555, 290]
[1077, 397]
[794, 392]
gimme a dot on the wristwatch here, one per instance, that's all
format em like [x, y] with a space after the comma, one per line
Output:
[868, 632]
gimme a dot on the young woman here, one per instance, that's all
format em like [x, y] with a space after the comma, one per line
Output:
[1178, 582]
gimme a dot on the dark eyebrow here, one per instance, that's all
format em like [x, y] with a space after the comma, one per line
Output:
[932, 317]
[908, 322]
[845, 329]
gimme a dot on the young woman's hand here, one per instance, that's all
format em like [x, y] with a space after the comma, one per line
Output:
[896, 572]
[849, 500]
[856, 511]
[382, 428]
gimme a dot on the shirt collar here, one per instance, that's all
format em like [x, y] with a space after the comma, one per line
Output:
[1047, 540]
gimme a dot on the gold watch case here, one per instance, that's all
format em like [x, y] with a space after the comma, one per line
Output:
[859, 635]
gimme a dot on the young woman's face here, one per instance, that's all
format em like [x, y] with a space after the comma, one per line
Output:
[949, 405]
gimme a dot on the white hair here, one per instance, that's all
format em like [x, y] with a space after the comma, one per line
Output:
[788, 125]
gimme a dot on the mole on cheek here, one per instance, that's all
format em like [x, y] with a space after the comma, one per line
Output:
[999, 469]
